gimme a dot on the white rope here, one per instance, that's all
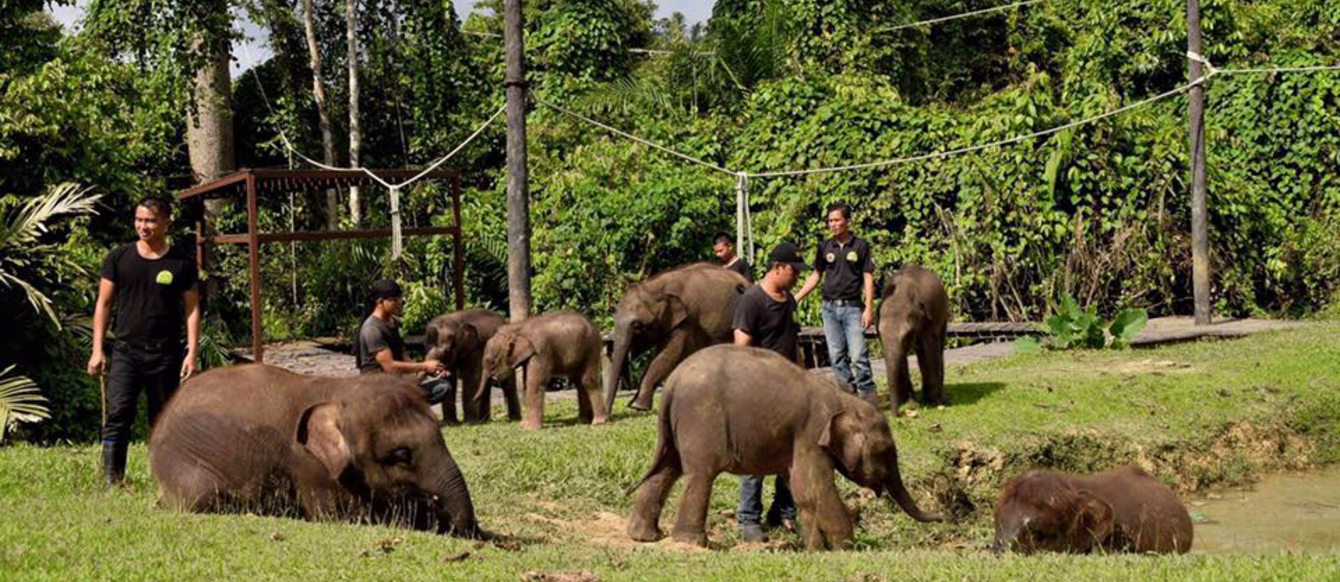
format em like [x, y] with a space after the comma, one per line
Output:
[976, 148]
[958, 16]
[635, 138]
[1269, 70]
[388, 185]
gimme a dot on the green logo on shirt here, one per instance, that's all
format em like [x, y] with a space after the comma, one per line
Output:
[164, 278]
[851, 256]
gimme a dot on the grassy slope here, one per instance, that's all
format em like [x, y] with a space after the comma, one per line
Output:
[1199, 414]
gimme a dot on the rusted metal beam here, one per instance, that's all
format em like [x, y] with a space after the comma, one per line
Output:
[320, 235]
[254, 260]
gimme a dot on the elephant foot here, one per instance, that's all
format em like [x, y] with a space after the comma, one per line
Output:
[640, 531]
[600, 420]
[695, 538]
[530, 425]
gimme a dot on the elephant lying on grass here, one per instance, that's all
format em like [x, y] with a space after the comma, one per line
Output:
[1121, 510]
[261, 439]
[749, 411]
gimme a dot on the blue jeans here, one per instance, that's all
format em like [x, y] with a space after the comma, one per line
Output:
[846, 346]
[751, 501]
[435, 390]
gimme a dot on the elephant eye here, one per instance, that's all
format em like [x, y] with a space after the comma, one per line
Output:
[400, 456]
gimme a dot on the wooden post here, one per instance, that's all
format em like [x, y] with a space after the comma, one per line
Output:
[518, 207]
[254, 262]
[458, 245]
[1200, 254]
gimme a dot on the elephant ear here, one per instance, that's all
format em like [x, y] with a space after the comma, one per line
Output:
[430, 334]
[469, 335]
[319, 433]
[674, 312]
[1094, 520]
[844, 444]
[520, 348]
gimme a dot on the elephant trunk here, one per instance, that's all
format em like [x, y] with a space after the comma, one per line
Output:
[618, 363]
[453, 499]
[895, 488]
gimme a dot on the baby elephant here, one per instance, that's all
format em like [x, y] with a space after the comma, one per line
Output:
[1121, 510]
[749, 411]
[559, 344]
[914, 317]
[457, 340]
[262, 439]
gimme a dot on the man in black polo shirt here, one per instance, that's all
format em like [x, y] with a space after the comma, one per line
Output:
[153, 286]
[724, 248]
[765, 318]
[379, 347]
[845, 264]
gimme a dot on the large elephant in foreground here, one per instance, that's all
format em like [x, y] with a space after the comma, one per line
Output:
[914, 317]
[262, 439]
[750, 411]
[677, 312]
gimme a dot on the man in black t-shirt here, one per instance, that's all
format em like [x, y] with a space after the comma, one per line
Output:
[848, 270]
[724, 248]
[153, 286]
[379, 347]
[765, 318]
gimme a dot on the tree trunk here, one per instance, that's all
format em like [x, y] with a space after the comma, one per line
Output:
[209, 130]
[319, 93]
[518, 205]
[351, 37]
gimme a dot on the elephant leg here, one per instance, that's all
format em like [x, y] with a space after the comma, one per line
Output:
[584, 414]
[644, 525]
[449, 401]
[900, 383]
[475, 394]
[589, 391]
[674, 352]
[691, 523]
[509, 390]
[824, 518]
[536, 379]
[931, 361]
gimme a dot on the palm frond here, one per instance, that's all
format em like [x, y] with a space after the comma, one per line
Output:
[20, 401]
[30, 221]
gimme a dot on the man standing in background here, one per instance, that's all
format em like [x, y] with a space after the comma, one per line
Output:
[724, 248]
[844, 264]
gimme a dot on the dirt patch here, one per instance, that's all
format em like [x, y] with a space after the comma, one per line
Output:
[1151, 366]
[582, 576]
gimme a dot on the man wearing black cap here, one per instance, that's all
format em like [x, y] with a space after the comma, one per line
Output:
[379, 347]
[765, 318]
[845, 264]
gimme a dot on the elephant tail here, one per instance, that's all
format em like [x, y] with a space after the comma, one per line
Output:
[665, 443]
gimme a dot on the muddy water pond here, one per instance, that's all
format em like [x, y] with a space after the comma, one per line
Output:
[1290, 512]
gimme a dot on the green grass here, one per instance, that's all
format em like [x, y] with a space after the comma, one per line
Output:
[1198, 414]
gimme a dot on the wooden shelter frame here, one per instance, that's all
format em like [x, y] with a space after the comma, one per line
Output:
[252, 183]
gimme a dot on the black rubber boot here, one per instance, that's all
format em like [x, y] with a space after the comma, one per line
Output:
[114, 463]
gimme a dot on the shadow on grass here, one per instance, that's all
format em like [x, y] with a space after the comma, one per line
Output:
[965, 393]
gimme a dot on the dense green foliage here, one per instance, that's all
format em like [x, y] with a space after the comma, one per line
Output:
[1100, 211]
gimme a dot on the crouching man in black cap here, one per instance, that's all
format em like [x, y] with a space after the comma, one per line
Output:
[379, 347]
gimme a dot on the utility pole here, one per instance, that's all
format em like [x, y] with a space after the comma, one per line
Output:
[518, 206]
[1200, 254]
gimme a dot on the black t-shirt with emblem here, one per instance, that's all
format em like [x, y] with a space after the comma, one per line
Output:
[843, 267]
[150, 310]
[770, 322]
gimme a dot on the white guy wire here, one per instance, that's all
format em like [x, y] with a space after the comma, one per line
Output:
[635, 138]
[958, 16]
